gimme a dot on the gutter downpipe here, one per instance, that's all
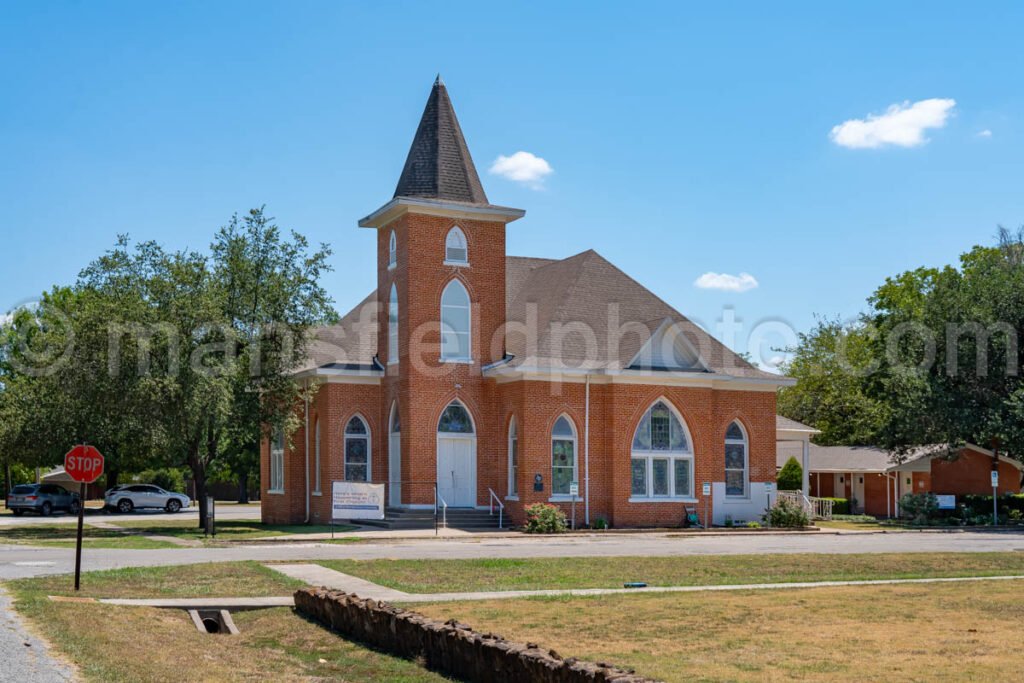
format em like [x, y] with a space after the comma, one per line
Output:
[306, 449]
[890, 493]
[586, 456]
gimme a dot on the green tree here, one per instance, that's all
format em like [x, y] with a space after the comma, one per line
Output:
[791, 476]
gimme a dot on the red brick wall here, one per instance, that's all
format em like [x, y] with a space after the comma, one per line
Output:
[969, 473]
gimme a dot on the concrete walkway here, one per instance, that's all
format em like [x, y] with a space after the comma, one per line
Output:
[317, 575]
[134, 531]
[23, 656]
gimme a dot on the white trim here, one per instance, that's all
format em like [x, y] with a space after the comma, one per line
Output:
[317, 483]
[746, 459]
[344, 447]
[658, 335]
[458, 235]
[462, 361]
[575, 453]
[686, 455]
[502, 373]
[401, 205]
[393, 331]
[511, 484]
[661, 499]
[277, 453]
[455, 264]
[564, 498]
[392, 250]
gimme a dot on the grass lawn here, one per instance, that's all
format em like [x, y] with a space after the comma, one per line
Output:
[139, 644]
[442, 576]
[229, 529]
[63, 536]
[936, 632]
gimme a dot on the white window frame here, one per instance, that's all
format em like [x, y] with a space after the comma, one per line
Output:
[392, 251]
[513, 464]
[745, 442]
[675, 457]
[555, 496]
[393, 325]
[316, 451]
[457, 236]
[455, 282]
[369, 450]
[277, 446]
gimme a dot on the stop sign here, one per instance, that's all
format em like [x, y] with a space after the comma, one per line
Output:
[84, 464]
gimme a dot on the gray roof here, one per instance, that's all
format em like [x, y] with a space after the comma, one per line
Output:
[786, 424]
[579, 289]
[836, 458]
[439, 165]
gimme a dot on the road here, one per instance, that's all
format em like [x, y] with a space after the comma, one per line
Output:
[223, 512]
[24, 561]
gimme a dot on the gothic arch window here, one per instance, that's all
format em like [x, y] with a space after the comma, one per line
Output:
[316, 451]
[357, 450]
[277, 461]
[662, 456]
[513, 458]
[563, 456]
[392, 250]
[736, 461]
[393, 326]
[455, 420]
[455, 323]
[455, 250]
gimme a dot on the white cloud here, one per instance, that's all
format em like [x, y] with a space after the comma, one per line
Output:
[727, 283]
[902, 125]
[522, 167]
[985, 133]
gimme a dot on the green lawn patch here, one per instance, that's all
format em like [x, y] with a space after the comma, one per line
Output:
[443, 576]
[63, 536]
[229, 529]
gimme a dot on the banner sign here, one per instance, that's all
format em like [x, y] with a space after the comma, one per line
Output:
[946, 502]
[357, 500]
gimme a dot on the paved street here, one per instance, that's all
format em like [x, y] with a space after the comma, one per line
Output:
[23, 656]
[23, 561]
[223, 512]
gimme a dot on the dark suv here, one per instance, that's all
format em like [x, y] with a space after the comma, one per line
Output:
[41, 498]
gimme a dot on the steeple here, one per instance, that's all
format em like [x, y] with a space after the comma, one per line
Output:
[439, 165]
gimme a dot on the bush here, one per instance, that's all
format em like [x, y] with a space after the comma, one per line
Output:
[600, 523]
[787, 514]
[169, 479]
[753, 525]
[791, 476]
[542, 518]
[840, 506]
[919, 508]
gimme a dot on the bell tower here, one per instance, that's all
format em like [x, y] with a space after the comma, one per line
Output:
[440, 290]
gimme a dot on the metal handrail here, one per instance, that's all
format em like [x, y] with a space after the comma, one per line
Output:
[444, 509]
[501, 507]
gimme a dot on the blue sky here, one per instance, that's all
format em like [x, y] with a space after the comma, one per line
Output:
[684, 139]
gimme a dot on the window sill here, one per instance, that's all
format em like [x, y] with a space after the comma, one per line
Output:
[564, 498]
[515, 498]
[391, 266]
[457, 264]
[737, 499]
[661, 499]
[276, 492]
[457, 361]
[317, 493]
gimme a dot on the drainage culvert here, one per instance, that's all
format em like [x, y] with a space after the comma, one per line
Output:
[213, 621]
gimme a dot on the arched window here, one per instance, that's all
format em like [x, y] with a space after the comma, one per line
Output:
[513, 458]
[357, 450]
[316, 451]
[396, 420]
[455, 251]
[736, 460]
[392, 250]
[455, 323]
[455, 420]
[563, 456]
[393, 326]
[662, 459]
[277, 461]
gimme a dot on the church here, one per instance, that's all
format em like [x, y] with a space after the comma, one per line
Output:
[471, 380]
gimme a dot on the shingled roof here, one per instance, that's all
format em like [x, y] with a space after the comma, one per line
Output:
[439, 165]
[585, 289]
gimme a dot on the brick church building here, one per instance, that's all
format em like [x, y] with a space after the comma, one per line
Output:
[503, 378]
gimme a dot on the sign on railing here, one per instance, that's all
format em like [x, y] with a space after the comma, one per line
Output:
[357, 500]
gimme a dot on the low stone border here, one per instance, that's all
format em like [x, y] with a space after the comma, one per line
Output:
[449, 647]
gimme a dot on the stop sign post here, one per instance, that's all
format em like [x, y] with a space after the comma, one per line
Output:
[83, 464]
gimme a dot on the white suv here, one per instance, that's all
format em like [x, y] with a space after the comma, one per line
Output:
[127, 498]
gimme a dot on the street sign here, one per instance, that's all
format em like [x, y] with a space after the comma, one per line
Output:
[706, 488]
[84, 464]
[574, 488]
[995, 479]
[769, 487]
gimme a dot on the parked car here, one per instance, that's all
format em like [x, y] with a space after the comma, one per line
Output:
[138, 496]
[42, 498]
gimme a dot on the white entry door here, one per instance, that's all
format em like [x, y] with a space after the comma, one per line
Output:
[395, 469]
[456, 470]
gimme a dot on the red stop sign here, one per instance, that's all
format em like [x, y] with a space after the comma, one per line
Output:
[84, 464]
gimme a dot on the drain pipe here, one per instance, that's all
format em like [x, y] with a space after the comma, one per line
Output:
[306, 449]
[586, 456]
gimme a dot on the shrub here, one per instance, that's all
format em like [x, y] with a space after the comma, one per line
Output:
[600, 523]
[753, 525]
[788, 514]
[791, 476]
[919, 507]
[840, 506]
[542, 518]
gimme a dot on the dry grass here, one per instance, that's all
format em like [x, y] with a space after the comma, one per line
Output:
[441, 576]
[935, 632]
[63, 536]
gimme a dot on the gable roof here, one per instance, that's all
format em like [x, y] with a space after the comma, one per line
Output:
[584, 291]
[840, 459]
[439, 165]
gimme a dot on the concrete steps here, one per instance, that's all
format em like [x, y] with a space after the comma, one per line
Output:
[466, 519]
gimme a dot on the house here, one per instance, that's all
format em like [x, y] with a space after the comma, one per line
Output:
[472, 378]
[874, 480]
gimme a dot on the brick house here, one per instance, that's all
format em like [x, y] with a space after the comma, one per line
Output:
[495, 377]
[874, 481]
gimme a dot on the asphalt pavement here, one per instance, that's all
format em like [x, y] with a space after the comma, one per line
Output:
[23, 656]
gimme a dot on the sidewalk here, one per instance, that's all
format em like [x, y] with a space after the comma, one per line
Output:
[25, 657]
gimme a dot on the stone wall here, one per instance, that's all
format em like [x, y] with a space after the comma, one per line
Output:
[448, 647]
